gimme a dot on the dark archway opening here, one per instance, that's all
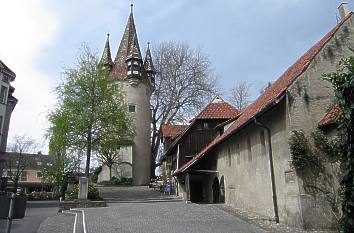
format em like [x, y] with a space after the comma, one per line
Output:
[216, 190]
[196, 191]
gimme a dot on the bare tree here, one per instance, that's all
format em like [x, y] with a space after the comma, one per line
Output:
[184, 83]
[240, 95]
[16, 163]
[110, 155]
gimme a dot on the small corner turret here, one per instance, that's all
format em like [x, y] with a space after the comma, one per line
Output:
[149, 67]
[106, 59]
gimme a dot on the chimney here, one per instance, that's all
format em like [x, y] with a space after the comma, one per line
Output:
[343, 10]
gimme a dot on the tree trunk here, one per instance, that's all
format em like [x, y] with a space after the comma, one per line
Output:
[88, 153]
[110, 173]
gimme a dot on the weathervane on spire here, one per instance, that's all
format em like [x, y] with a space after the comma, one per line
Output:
[131, 8]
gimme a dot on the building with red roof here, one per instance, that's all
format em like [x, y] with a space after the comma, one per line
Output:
[248, 164]
[182, 143]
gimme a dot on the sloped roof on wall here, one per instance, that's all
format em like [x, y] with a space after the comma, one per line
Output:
[172, 130]
[271, 95]
[329, 116]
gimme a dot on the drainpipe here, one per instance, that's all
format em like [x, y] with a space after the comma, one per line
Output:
[274, 192]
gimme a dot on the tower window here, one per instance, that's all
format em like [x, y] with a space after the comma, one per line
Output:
[131, 108]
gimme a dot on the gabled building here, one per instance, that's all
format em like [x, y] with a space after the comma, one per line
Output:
[31, 178]
[137, 78]
[197, 135]
[249, 163]
[7, 105]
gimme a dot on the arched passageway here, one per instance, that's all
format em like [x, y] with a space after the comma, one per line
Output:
[216, 190]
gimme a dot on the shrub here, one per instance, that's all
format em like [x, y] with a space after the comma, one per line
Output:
[93, 193]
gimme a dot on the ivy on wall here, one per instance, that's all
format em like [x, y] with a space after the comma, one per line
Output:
[343, 84]
[315, 160]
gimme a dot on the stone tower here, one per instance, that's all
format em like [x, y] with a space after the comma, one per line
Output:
[137, 79]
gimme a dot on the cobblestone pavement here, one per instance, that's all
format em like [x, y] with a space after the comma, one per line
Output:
[163, 217]
[265, 223]
[139, 209]
[36, 213]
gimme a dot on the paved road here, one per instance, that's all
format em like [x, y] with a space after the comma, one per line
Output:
[140, 210]
[36, 213]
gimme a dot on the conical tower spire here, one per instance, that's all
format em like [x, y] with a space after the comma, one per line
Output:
[106, 58]
[129, 37]
[148, 64]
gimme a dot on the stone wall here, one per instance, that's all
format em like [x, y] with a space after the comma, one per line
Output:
[67, 205]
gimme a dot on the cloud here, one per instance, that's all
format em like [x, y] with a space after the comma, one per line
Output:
[27, 28]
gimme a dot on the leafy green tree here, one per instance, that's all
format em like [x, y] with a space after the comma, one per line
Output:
[343, 84]
[90, 110]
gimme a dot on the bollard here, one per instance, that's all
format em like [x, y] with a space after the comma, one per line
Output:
[11, 211]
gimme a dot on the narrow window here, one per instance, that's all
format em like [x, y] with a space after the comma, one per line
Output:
[249, 149]
[238, 153]
[229, 156]
[131, 108]
[262, 138]
[3, 93]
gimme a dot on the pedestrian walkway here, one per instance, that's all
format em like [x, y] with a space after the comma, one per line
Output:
[134, 194]
[140, 209]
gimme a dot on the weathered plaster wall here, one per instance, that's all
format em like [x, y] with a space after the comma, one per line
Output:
[309, 98]
[247, 175]
[140, 97]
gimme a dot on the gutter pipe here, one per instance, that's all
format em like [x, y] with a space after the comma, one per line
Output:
[274, 192]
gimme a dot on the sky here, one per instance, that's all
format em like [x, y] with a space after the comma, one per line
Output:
[245, 40]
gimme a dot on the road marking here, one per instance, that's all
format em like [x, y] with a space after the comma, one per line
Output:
[74, 230]
[75, 220]
[83, 221]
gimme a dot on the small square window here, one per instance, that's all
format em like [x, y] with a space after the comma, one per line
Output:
[131, 108]
[39, 175]
[39, 163]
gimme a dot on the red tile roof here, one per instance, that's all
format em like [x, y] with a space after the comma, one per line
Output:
[172, 130]
[271, 95]
[214, 110]
[218, 111]
[329, 116]
[6, 70]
